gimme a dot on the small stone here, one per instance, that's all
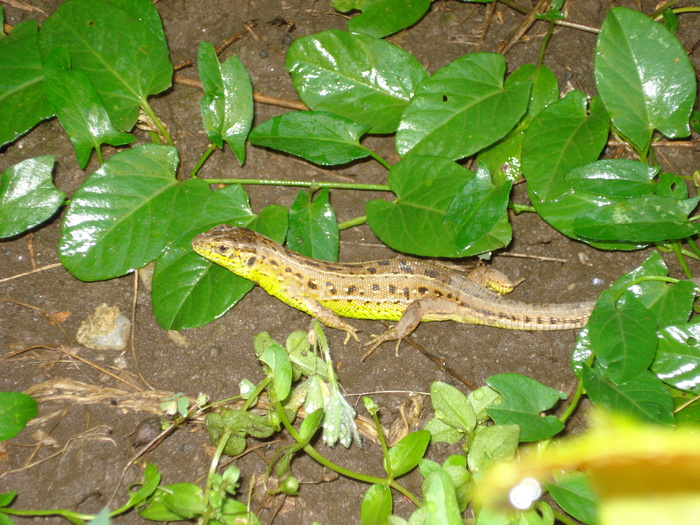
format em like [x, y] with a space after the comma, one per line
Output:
[105, 329]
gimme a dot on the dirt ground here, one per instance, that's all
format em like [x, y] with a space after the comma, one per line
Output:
[74, 454]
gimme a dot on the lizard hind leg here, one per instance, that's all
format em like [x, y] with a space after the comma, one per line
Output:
[410, 319]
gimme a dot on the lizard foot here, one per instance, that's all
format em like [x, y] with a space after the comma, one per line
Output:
[378, 340]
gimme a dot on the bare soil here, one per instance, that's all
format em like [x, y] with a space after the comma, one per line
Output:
[74, 454]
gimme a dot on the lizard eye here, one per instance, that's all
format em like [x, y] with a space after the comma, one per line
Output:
[223, 248]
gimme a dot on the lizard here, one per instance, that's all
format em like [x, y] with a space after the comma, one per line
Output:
[405, 290]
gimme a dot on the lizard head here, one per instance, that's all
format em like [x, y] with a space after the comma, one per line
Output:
[232, 247]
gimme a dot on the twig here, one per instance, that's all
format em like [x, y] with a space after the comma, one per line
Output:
[132, 335]
[45, 312]
[35, 270]
[97, 367]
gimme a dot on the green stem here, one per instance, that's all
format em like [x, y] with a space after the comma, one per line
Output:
[254, 396]
[545, 43]
[663, 279]
[676, 245]
[379, 159]
[152, 115]
[694, 247]
[352, 222]
[663, 8]
[303, 184]
[212, 147]
[574, 403]
[563, 518]
[214, 465]
[311, 451]
[71, 516]
[519, 208]
[99, 155]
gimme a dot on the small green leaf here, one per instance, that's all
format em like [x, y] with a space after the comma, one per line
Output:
[623, 337]
[122, 51]
[275, 357]
[385, 17]
[645, 219]
[452, 407]
[362, 78]
[677, 360]
[149, 484]
[376, 506]
[614, 178]
[16, 409]
[6, 498]
[492, 444]
[439, 500]
[644, 77]
[27, 196]
[311, 424]
[573, 493]
[524, 400]
[184, 499]
[405, 455]
[645, 398]
[22, 87]
[313, 228]
[477, 207]
[463, 108]
[316, 136]
[227, 104]
[441, 432]
[78, 107]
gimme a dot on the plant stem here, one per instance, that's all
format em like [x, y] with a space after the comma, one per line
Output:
[676, 245]
[574, 403]
[519, 208]
[161, 127]
[545, 42]
[303, 184]
[563, 518]
[352, 222]
[379, 159]
[214, 465]
[210, 149]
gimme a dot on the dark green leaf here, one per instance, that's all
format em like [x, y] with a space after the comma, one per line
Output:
[614, 178]
[313, 228]
[524, 400]
[477, 207]
[645, 398]
[190, 291]
[644, 77]
[405, 455]
[27, 196]
[623, 338]
[645, 219]
[463, 108]
[377, 504]
[385, 17]
[22, 82]
[358, 77]
[275, 357]
[227, 104]
[78, 107]
[319, 137]
[414, 222]
[125, 58]
[670, 20]
[674, 304]
[574, 494]
[677, 360]
[452, 407]
[16, 409]
[125, 214]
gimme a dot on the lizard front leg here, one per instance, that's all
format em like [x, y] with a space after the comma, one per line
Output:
[329, 318]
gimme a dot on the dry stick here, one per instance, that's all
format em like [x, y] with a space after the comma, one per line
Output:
[35, 270]
[97, 367]
[45, 312]
[487, 23]
[257, 97]
[523, 27]
[132, 335]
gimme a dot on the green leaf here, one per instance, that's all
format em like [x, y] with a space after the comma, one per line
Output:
[227, 104]
[414, 222]
[614, 178]
[149, 484]
[644, 77]
[405, 455]
[463, 107]
[125, 214]
[677, 360]
[121, 50]
[386, 17]
[22, 87]
[478, 207]
[563, 137]
[322, 138]
[492, 444]
[481, 399]
[78, 107]
[377, 504]
[27, 196]
[313, 228]
[189, 291]
[646, 219]
[275, 357]
[358, 77]
[439, 500]
[185, 499]
[673, 305]
[441, 432]
[623, 337]
[16, 409]
[452, 407]
[524, 400]
[645, 397]
[573, 493]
